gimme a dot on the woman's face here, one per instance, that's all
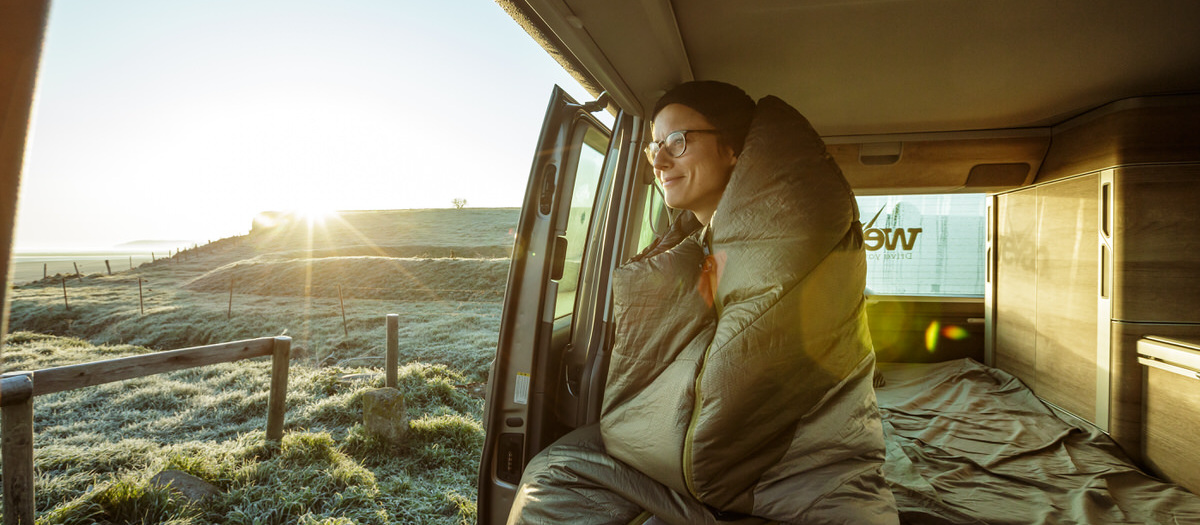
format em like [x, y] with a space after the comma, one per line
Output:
[695, 180]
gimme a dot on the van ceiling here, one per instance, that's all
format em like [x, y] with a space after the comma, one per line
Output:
[875, 67]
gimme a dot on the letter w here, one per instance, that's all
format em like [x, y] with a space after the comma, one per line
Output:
[897, 235]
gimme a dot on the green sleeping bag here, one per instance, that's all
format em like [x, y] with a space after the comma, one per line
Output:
[741, 372]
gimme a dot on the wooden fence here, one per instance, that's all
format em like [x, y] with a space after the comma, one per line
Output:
[17, 390]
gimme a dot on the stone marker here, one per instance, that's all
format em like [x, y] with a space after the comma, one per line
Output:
[191, 487]
[383, 415]
[299, 352]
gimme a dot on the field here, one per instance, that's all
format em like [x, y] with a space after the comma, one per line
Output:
[442, 271]
[31, 266]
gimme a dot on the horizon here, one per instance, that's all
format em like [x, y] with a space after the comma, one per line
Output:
[186, 120]
[123, 247]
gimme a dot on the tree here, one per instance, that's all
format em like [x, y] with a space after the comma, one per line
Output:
[459, 203]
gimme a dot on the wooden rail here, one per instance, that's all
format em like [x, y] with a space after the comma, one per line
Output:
[17, 390]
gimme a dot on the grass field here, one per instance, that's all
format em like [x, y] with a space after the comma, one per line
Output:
[31, 266]
[96, 448]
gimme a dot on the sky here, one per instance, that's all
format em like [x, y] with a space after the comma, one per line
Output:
[181, 120]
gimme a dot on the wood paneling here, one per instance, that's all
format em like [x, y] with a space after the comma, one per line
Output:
[1171, 440]
[1156, 257]
[1067, 261]
[939, 164]
[1047, 319]
[1128, 380]
[1016, 285]
[1134, 131]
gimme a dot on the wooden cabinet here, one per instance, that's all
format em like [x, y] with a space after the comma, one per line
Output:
[1085, 266]
[1046, 290]
[1156, 259]
[1171, 439]
[1102, 250]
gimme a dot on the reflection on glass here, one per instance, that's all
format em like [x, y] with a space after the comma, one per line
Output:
[583, 197]
[924, 244]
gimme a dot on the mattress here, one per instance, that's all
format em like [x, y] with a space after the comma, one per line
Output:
[967, 443]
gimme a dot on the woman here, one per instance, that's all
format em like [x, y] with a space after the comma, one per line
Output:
[739, 386]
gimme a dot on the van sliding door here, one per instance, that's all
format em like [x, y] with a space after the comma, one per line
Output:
[546, 283]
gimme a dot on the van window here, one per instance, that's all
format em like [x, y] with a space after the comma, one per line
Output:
[654, 218]
[915, 244]
[924, 244]
[583, 198]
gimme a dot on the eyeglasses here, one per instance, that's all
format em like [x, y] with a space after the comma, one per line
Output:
[675, 143]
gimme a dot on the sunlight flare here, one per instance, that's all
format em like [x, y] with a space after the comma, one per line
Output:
[315, 214]
[931, 336]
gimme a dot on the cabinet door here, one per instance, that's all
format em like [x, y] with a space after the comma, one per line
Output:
[1157, 236]
[1016, 284]
[1067, 289]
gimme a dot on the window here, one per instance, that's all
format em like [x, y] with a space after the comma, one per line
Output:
[654, 220]
[583, 198]
[924, 244]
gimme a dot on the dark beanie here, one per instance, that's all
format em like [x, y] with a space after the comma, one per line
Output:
[726, 107]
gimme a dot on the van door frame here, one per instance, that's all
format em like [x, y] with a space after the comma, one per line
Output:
[527, 375]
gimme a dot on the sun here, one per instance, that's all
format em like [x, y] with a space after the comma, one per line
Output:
[315, 214]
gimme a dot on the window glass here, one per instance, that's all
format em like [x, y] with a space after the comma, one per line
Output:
[924, 244]
[654, 219]
[583, 198]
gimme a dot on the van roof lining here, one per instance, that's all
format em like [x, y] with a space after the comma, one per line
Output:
[861, 67]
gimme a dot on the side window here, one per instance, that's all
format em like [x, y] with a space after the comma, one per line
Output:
[924, 244]
[655, 217]
[583, 198]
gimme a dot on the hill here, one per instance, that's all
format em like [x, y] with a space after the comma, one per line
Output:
[467, 227]
[365, 263]
[150, 244]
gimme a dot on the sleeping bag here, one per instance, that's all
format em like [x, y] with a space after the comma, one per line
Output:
[742, 365]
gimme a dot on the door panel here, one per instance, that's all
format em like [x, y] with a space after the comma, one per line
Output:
[1065, 308]
[543, 279]
[1016, 285]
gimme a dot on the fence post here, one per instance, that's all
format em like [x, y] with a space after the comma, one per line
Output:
[141, 303]
[108, 267]
[65, 303]
[343, 303]
[229, 313]
[16, 395]
[130, 262]
[45, 270]
[77, 275]
[393, 349]
[277, 399]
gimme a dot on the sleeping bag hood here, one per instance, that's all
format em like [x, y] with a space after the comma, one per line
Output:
[741, 368]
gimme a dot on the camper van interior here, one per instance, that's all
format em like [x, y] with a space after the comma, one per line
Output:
[1025, 173]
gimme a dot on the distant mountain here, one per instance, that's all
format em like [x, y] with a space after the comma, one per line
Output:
[147, 244]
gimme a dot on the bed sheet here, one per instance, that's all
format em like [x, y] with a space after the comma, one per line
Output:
[967, 443]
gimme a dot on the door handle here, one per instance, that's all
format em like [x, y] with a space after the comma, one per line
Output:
[560, 258]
